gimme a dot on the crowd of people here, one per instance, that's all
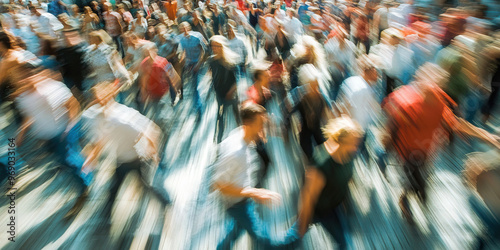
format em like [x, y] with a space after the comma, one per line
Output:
[92, 79]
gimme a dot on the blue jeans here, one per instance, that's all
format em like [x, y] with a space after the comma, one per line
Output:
[491, 223]
[190, 75]
[67, 150]
[245, 217]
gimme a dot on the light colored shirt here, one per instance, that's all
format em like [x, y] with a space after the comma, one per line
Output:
[238, 46]
[46, 106]
[360, 99]
[48, 24]
[120, 127]
[234, 164]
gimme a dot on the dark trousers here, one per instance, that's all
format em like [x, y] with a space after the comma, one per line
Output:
[119, 177]
[332, 223]
[190, 76]
[492, 100]
[225, 105]
[306, 137]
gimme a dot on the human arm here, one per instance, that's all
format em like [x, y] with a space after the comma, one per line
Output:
[259, 195]
[314, 184]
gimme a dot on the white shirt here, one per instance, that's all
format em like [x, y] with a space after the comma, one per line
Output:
[238, 46]
[362, 103]
[344, 57]
[234, 164]
[46, 106]
[294, 28]
[48, 24]
[120, 127]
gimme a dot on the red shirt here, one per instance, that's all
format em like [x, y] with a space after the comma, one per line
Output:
[417, 122]
[154, 73]
[255, 96]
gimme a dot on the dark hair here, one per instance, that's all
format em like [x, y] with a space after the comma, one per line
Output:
[6, 40]
[250, 111]
[257, 73]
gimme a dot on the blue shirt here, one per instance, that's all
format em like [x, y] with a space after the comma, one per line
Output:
[55, 8]
[193, 45]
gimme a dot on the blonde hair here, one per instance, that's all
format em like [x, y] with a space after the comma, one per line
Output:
[229, 57]
[341, 127]
[317, 53]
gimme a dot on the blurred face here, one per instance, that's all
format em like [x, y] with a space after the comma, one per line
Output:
[349, 145]
[75, 9]
[105, 7]
[94, 40]
[104, 93]
[256, 126]
[216, 48]
[264, 78]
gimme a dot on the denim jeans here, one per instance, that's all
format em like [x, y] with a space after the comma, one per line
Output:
[190, 76]
[245, 217]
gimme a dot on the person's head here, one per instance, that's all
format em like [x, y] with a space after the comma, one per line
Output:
[231, 27]
[96, 37]
[120, 8]
[185, 27]
[130, 38]
[367, 69]
[6, 42]
[34, 11]
[291, 12]
[87, 10]
[261, 76]
[346, 133]
[253, 118]
[105, 92]
[139, 15]
[308, 75]
[107, 6]
[217, 43]
[430, 76]
[150, 50]
[74, 9]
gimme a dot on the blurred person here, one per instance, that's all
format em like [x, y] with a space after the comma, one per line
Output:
[104, 63]
[135, 50]
[313, 107]
[222, 64]
[327, 179]
[199, 24]
[139, 25]
[126, 16]
[11, 60]
[56, 7]
[46, 23]
[416, 114]
[113, 25]
[193, 47]
[171, 9]
[340, 53]
[7, 17]
[218, 20]
[75, 16]
[253, 15]
[154, 81]
[233, 180]
[491, 66]
[482, 174]
[456, 59]
[307, 51]
[282, 42]
[50, 114]
[90, 21]
[358, 96]
[293, 26]
[237, 45]
[132, 138]
[426, 46]
[380, 21]
[71, 58]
